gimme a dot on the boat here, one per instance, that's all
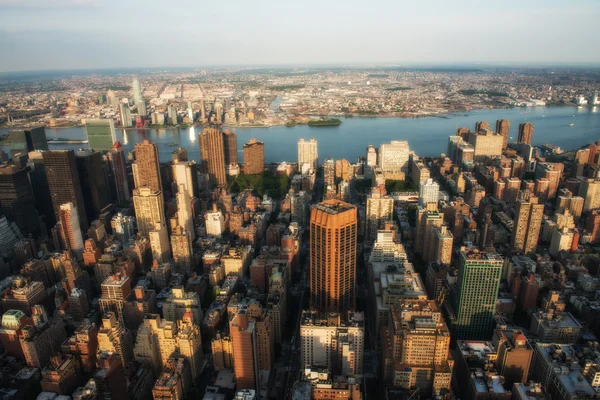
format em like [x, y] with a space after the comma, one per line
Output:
[571, 124]
[173, 144]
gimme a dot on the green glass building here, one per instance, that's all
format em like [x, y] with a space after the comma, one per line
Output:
[25, 140]
[100, 134]
[477, 293]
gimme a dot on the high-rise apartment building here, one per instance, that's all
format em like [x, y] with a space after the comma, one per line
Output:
[146, 168]
[118, 172]
[429, 192]
[590, 191]
[416, 348]
[380, 209]
[476, 294]
[333, 240]
[149, 209]
[70, 228]
[552, 172]
[230, 147]
[185, 218]
[525, 133]
[214, 223]
[371, 160]
[514, 356]
[182, 250]
[329, 173]
[17, 201]
[308, 153]
[503, 128]
[393, 157]
[334, 342]
[212, 155]
[159, 243]
[185, 173]
[64, 182]
[527, 224]
[441, 250]
[486, 144]
[115, 290]
[100, 133]
[342, 169]
[125, 115]
[254, 157]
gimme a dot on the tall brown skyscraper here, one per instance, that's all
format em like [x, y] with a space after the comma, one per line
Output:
[17, 201]
[479, 125]
[525, 133]
[230, 147]
[527, 224]
[503, 128]
[146, 169]
[212, 155]
[333, 230]
[254, 157]
[64, 182]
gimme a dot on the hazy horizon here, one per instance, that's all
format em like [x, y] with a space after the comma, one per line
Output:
[57, 35]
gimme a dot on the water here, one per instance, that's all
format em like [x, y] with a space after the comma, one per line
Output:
[427, 136]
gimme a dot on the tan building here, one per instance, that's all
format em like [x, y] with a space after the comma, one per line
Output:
[590, 191]
[503, 128]
[146, 168]
[183, 253]
[329, 174]
[149, 209]
[222, 352]
[114, 337]
[230, 147]
[428, 218]
[442, 245]
[514, 356]
[342, 169]
[308, 153]
[254, 157]
[380, 208]
[487, 144]
[180, 302]
[212, 155]
[416, 348]
[333, 233]
[70, 228]
[527, 224]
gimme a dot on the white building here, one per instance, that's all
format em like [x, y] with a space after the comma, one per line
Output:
[184, 173]
[429, 192]
[215, 223]
[159, 243]
[332, 343]
[371, 160]
[185, 216]
[71, 230]
[393, 157]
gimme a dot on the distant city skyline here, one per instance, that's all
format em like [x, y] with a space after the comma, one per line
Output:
[93, 34]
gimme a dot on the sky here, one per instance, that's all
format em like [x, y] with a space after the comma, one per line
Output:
[94, 34]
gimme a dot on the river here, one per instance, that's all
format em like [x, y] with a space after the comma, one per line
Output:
[427, 136]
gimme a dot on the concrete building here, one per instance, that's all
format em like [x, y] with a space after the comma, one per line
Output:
[429, 192]
[503, 128]
[527, 224]
[486, 144]
[212, 155]
[100, 133]
[146, 168]
[149, 209]
[380, 209]
[514, 356]
[393, 157]
[308, 153]
[335, 342]
[70, 228]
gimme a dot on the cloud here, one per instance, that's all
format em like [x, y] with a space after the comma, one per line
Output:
[37, 4]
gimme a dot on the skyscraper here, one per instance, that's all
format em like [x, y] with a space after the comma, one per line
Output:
[17, 202]
[146, 169]
[329, 172]
[254, 157]
[100, 133]
[503, 128]
[125, 115]
[185, 218]
[185, 173]
[212, 155]
[308, 153]
[525, 133]
[118, 166]
[480, 125]
[230, 147]
[380, 209]
[371, 160]
[527, 224]
[477, 292]
[333, 232]
[25, 140]
[137, 91]
[64, 182]
[70, 228]
[149, 209]
[90, 167]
